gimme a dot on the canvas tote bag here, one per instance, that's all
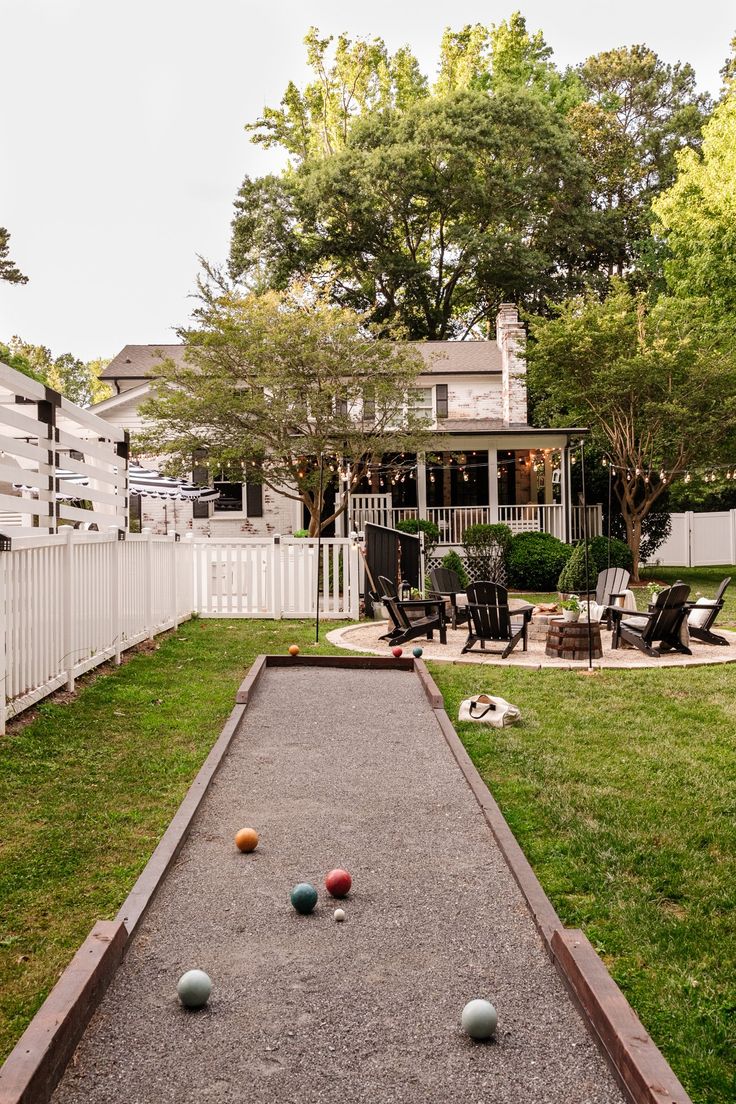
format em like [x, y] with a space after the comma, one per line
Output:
[489, 710]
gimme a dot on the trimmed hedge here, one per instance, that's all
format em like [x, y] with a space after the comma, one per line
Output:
[620, 553]
[535, 561]
[416, 525]
[453, 562]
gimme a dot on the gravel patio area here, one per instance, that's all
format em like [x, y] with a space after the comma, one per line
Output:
[364, 637]
[338, 768]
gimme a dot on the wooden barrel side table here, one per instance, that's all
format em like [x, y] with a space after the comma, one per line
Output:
[569, 639]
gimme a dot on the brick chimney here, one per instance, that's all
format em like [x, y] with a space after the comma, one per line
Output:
[511, 340]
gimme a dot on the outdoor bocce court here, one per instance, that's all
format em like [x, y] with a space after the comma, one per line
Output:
[443, 909]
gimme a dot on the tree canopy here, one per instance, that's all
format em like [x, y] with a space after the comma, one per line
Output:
[427, 205]
[427, 218]
[656, 384]
[696, 217]
[9, 271]
[285, 388]
[77, 380]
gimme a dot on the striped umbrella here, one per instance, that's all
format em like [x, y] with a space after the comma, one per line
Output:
[152, 484]
[69, 477]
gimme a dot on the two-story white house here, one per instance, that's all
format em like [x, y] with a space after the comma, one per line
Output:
[496, 467]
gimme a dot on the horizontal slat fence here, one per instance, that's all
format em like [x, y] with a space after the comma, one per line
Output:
[72, 600]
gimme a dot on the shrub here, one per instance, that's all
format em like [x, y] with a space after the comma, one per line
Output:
[486, 550]
[535, 561]
[453, 561]
[620, 553]
[300, 533]
[573, 576]
[417, 525]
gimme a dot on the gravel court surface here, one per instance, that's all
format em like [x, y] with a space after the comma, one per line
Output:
[338, 768]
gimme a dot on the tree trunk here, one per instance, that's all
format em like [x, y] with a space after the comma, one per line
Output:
[633, 539]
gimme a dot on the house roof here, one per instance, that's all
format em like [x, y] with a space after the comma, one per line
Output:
[440, 358]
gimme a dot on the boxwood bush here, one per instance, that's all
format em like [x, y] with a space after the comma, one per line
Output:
[620, 553]
[573, 579]
[416, 525]
[535, 561]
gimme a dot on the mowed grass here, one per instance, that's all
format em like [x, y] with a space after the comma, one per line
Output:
[702, 581]
[88, 787]
[620, 787]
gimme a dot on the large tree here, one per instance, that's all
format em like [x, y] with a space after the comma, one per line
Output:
[696, 217]
[637, 112]
[8, 269]
[286, 389]
[656, 384]
[429, 216]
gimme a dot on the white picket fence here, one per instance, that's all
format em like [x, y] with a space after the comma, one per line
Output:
[72, 600]
[699, 540]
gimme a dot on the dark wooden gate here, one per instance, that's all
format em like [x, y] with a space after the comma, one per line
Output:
[391, 553]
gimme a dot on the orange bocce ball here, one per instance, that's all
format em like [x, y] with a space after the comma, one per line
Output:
[294, 649]
[246, 839]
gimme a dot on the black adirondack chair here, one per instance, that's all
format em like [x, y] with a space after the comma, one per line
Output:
[444, 583]
[663, 623]
[428, 615]
[491, 620]
[702, 631]
[611, 584]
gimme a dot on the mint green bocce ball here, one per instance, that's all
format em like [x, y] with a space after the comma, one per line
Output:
[194, 988]
[304, 898]
[479, 1019]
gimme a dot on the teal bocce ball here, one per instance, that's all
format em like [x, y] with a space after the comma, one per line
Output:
[194, 988]
[417, 652]
[479, 1019]
[304, 897]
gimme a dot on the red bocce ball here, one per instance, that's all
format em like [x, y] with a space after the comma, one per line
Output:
[338, 883]
[397, 652]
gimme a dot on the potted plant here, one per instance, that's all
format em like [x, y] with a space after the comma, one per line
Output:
[571, 608]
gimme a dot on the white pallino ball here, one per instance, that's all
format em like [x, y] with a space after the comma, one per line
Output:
[194, 988]
[339, 915]
[479, 1019]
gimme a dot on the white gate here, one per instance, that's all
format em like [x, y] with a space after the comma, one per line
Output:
[256, 577]
[699, 540]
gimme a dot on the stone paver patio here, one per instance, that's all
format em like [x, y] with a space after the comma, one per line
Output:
[364, 637]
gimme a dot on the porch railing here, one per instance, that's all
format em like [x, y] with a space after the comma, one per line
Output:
[452, 521]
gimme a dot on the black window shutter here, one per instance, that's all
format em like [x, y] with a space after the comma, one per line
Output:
[369, 407]
[254, 500]
[341, 408]
[201, 475]
[441, 394]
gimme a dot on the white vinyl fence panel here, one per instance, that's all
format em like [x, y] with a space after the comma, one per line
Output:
[72, 600]
[699, 540]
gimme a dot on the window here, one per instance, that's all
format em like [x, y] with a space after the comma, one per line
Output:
[237, 496]
[369, 405]
[421, 404]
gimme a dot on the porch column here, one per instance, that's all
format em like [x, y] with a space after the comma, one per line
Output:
[493, 484]
[422, 485]
[548, 465]
[565, 492]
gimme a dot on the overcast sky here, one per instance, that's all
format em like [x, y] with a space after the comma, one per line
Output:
[122, 142]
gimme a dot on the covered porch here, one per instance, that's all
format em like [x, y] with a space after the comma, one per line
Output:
[522, 480]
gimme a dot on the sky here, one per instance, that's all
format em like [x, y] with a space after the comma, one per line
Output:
[122, 144]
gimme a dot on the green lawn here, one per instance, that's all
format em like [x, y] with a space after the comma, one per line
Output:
[620, 787]
[703, 581]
